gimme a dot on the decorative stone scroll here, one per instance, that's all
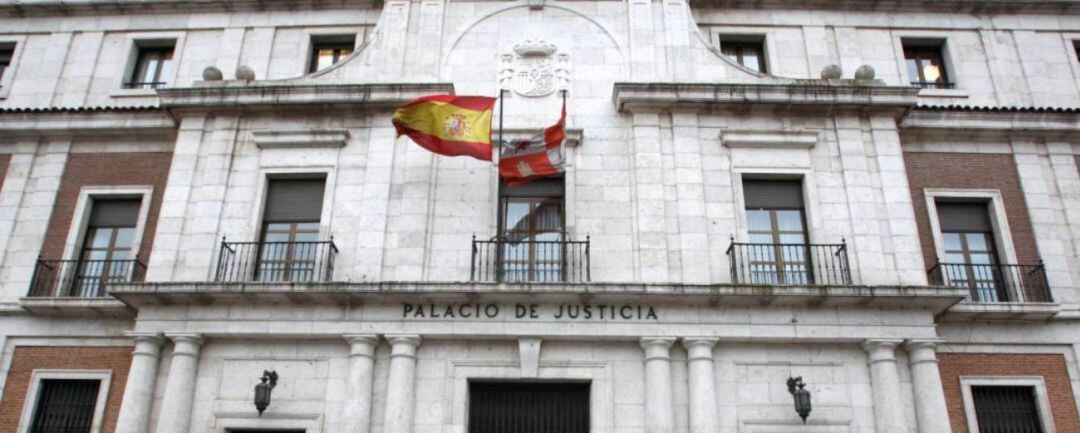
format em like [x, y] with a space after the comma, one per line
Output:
[535, 69]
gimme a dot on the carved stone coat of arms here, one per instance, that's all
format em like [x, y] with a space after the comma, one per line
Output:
[534, 69]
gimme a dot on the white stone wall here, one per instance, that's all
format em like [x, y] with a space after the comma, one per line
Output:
[995, 59]
[750, 382]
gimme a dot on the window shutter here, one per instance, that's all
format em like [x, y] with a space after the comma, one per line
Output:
[545, 187]
[294, 200]
[773, 194]
[964, 217]
[114, 212]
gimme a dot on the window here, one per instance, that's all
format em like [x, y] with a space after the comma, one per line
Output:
[65, 406]
[328, 50]
[1006, 409]
[289, 249]
[6, 53]
[1076, 49]
[749, 51]
[533, 230]
[528, 407]
[153, 67]
[106, 254]
[970, 254]
[926, 65]
[776, 229]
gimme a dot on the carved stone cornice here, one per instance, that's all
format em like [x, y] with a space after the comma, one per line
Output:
[959, 6]
[630, 97]
[276, 96]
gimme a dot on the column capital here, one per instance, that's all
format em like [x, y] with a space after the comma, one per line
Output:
[187, 344]
[362, 344]
[699, 347]
[881, 349]
[147, 343]
[657, 347]
[922, 350]
[403, 345]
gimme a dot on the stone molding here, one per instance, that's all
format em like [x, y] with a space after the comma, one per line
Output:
[278, 95]
[881, 350]
[631, 97]
[1002, 121]
[770, 139]
[43, 122]
[362, 344]
[303, 139]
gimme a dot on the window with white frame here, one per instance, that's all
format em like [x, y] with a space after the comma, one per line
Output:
[7, 52]
[926, 63]
[153, 64]
[746, 50]
[1002, 404]
[65, 401]
[328, 50]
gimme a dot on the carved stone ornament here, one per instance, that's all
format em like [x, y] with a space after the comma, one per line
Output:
[534, 69]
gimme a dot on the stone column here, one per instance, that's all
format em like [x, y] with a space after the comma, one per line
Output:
[175, 416]
[401, 385]
[139, 391]
[885, 381]
[659, 417]
[702, 383]
[356, 413]
[931, 412]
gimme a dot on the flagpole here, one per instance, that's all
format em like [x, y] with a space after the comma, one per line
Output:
[502, 92]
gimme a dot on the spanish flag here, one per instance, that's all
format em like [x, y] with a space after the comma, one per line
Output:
[448, 125]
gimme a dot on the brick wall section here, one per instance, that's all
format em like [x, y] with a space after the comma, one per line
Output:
[970, 171]
[5, 159]
[26, 359]
[106, 169]
[1051, 367]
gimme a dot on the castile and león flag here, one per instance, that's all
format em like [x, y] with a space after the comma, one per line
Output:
[461, 126]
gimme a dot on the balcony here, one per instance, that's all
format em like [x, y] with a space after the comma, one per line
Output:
[789, 264]
[992, 283]
[934, 84]
[509, 260]
[147, 85]
[276, 262]
[81, 279]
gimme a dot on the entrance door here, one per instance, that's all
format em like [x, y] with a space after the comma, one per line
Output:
[496, 407]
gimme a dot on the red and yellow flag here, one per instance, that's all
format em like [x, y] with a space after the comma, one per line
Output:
[448, 125]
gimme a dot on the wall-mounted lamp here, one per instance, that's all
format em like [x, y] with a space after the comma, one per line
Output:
[262, 390]
[797, 388]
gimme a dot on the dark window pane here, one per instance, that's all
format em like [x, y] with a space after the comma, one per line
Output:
[6, 53]
[326, 53]
[529, 407]
[65, 406]
[750, 54]
[153, 67]
[1006, 409]
[925, 65]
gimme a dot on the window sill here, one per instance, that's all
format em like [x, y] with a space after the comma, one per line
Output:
[76, 307]
[943, 93]
[133, 93]
[969, 311]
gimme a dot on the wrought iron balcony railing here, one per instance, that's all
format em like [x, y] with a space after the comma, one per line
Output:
[82, 278]
[789, 264]
[509, 260]
[276, 262]
[933, 84]
[994, 283]
[144, 84]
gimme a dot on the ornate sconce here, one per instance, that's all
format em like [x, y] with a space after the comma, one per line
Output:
[797, 388]
[262, 390]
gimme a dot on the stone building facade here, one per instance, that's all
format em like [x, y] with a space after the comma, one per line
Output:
[878, 196]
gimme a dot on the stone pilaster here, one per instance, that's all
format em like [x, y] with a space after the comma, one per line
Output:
[659, 417]
[885, 380]
[139, 391]
[401, 385]
[356, 413]
[931, 412]
[702, 383]
[175, 415]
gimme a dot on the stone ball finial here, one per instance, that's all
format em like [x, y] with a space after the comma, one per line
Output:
[212, 74]
[244, 72]
[865, 73]
[831, 72]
